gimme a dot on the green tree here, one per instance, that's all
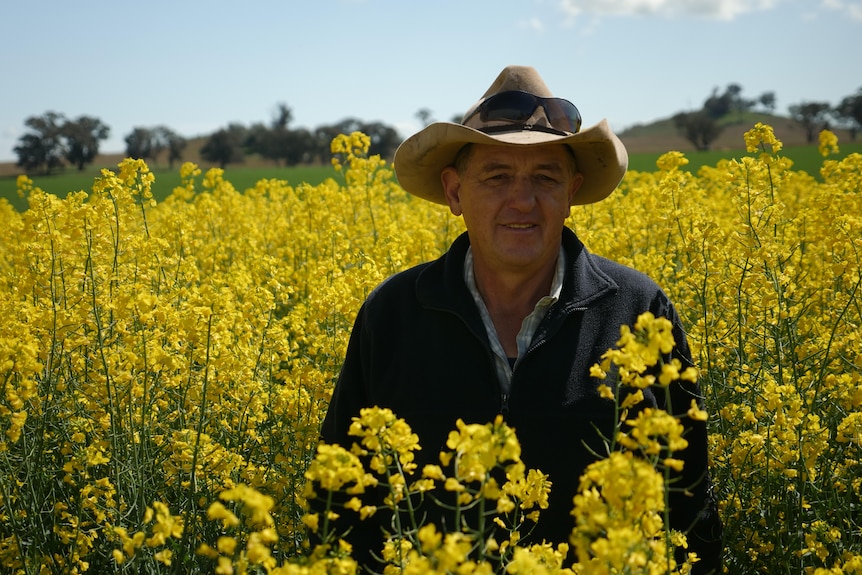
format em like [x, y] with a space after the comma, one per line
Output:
[812, 116]
[42, 148]
[425, 116]
[167, 139]
[149, 143]
[283, 116]
[82, 140]
[139, 144]
[849, 113]
[225, 146]
[176, 145]
[384, 139]
[699, 128]
[277, 141]
[767, 100]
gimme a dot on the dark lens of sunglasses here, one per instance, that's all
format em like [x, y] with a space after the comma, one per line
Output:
[562, 114]
[511, 106]
[515, 106]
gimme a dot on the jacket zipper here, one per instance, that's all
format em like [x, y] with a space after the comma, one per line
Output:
[504, 397]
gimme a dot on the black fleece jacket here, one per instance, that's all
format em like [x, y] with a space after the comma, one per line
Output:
[419, 348]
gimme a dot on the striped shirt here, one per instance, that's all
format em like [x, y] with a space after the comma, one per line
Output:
[528, 326]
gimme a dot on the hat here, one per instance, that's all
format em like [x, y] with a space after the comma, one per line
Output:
[600, 155]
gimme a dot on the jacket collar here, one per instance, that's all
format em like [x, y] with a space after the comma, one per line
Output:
[441, 284]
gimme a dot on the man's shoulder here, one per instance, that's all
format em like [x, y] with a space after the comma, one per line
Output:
[625, 276]
[398, 285]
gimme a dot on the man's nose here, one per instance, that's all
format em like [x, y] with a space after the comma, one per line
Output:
[522, 195]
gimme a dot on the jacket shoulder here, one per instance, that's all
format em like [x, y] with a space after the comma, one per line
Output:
[397, 286]
[624, 275]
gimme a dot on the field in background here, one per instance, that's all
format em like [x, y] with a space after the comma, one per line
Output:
[805, 158]
[166, 180]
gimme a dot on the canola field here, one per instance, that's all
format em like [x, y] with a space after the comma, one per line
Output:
[164, 368]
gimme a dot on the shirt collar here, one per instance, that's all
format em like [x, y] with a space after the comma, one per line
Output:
[556, 282]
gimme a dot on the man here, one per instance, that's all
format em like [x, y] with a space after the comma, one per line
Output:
[513, 316]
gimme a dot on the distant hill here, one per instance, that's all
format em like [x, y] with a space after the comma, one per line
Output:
[662, 135]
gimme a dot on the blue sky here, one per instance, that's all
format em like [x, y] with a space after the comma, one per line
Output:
[196, 66]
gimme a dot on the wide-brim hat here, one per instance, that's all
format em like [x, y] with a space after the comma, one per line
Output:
[599, 154]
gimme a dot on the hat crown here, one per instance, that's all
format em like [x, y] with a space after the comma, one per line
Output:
[521, 78]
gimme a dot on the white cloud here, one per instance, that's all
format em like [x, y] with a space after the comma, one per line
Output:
[853, 9]
[713, 9]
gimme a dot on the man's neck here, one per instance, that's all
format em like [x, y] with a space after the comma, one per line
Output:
[516, 291]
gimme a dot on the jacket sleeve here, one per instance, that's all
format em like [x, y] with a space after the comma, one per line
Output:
[349, 396]
[350, 393]
[694, 510]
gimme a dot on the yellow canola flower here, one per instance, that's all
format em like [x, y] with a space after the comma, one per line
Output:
[639, 348]
[334, 467]
[217, 511]
[827, 143]
[760, 137]
[477, 449]
[696, 413]
[671, 160]
[387, 438]
[256, 506]
[654, 431]
[618, 517]
[850, 429]
[166, 526]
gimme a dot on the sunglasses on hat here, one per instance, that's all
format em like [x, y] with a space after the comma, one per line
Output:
[516, 106]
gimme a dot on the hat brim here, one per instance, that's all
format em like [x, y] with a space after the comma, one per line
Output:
[600, 156]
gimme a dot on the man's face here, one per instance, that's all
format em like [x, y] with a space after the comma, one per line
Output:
[514, 201]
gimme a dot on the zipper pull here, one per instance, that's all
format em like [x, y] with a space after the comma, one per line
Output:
[504, 403]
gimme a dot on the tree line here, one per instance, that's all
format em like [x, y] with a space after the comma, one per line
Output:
[279, 143]
[702, 127]
[52, 140]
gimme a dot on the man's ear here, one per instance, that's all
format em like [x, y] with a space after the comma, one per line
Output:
[451, 181]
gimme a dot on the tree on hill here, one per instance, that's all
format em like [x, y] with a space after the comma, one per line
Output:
[225, 146]
[42, 147]
[718, 106]
[812, 116]
[278, 142]
[699, 128]
[174, 143]
[767, 100]
[149, 143]
[53, 138]
[82, 140]
[425, 116]
[384, 139]
[139, 144]
[849, 113]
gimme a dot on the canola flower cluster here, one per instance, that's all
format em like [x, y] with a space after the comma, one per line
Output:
[164, 369]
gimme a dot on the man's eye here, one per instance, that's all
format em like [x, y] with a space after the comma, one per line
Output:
[497, 177]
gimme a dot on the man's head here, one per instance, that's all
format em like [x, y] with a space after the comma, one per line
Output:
[518, 110]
